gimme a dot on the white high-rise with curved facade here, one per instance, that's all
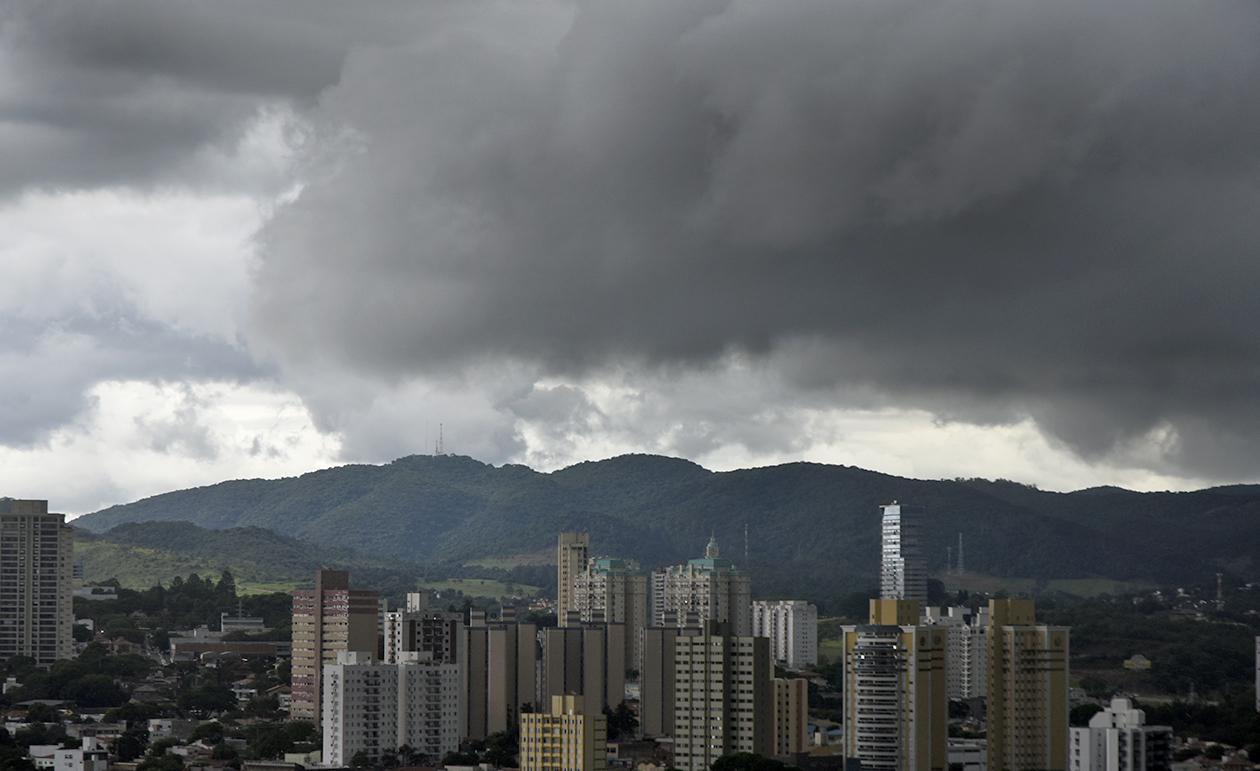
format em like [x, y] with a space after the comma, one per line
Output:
[903, 571]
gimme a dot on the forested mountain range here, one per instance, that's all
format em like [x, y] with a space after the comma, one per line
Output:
[812, 529]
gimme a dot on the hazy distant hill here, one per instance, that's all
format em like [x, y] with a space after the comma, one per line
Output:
[143, 554]
[812, 529]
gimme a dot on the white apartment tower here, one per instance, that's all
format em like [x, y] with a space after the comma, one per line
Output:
[966, 649]
[792, 626]
[707, 589]
[903, 571]
[36, 614]
[571, 556]
[374, 708]
[723, 697]
[614, 591]
[1118, 739]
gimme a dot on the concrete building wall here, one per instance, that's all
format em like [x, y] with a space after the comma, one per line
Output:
[792, 627]
[37, 616]
[723, 697]
[572, 551]
[1027, 690]
[791, 715]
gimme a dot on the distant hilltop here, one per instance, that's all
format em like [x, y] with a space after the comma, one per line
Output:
[813, 529]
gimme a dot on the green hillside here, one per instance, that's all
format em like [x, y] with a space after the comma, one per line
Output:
[813, 529]
[140, 555]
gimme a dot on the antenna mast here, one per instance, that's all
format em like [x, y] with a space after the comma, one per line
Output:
[960, 553]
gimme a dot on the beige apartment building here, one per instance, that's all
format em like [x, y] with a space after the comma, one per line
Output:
[499, 673]
[611, 590]
[328, 619]
[588, 660]
[791, 716]
[656, 680]
[896, 706]
[723, 697]
[572, 550]
[564, 738]
[36, 576]
[1027, 690]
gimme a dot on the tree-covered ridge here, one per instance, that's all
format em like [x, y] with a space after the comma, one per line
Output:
[813, 528]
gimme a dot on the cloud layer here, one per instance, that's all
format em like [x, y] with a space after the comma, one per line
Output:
[987, 208]
[730, 230]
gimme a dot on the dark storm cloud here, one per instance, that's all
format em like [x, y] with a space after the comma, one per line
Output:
[989, 208]
[138, 92]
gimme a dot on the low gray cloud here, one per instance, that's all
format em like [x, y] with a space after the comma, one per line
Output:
[986, 208]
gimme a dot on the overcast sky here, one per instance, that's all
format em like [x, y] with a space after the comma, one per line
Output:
[1000, 238]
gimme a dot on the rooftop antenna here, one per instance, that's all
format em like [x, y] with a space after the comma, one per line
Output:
[960, 553]
[949, 560]
[439, 449]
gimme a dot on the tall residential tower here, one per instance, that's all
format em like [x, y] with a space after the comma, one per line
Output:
[903, 571]
[571, 554]
[36, 614]
[331, 618]
[707, 589]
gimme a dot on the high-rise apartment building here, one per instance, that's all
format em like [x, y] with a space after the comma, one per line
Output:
[656, 680]
[792, 626]
[564, 738]
[791, 716]
[572, 550]
[374, 708]
[1118, 739]
[723, 697]
[589, 660]
[419, 628]
[966, 649]
[327, 620]
[1028, 688]
[895, 704]
[707, 589]
[903, 571]
[499, 673]
[613, 590]
[36, 584]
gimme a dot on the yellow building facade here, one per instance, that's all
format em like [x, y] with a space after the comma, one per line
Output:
[1028, 690]
[896, 705]
[564, 739]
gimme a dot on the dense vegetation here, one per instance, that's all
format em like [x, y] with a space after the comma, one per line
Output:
[813, 529]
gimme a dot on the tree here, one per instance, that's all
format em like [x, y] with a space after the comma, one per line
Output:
[42, 713]
[131, 744]
[166, 762]
[360, 760]
[621, 721]
[1095, 687]
[95, 691]
[747, 761]
[211, 733]
[1081, 713]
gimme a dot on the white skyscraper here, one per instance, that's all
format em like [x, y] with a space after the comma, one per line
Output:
[792, 626]
[1118, 739]
[903, 572]
[966, 649]
[705, 589]
[374, 708]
